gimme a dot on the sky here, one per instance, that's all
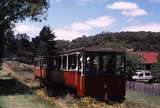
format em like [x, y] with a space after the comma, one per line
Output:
[70, 19]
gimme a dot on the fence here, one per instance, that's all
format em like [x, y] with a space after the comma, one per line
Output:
[148, 89]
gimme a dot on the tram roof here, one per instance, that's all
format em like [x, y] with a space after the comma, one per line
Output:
[88, 49]
[39, 58]
[95, 49]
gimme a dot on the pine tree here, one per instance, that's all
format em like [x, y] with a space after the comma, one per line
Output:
[47, 43]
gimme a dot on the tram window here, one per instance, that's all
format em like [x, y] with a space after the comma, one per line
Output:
[80, 62]
[54, 62]
[72, 61]
[88, 63]
[105, 63]
[92, 63]
[57, 63]
[108, 63]
[96, 63]
[44, 63]
[118, 61]
[119, 64]
[40, 62]
[37, 62]
[64, 62]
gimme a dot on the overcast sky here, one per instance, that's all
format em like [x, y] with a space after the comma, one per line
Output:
[70, 19]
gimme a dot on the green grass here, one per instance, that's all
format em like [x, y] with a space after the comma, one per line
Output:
[22, 101]
[150, 101]
[13, 94]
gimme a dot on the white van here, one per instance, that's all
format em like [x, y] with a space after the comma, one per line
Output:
[142, 75]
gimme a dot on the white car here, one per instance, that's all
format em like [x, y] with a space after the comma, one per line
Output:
[143, 75]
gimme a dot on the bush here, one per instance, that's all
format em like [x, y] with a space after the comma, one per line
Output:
[156, 71]
[131, 65]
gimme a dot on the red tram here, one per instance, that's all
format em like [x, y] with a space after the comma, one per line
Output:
[94, 71]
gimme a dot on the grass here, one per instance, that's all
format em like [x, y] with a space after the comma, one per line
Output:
[14, 94]
[150, 101]
[22, 101]
[69, 101]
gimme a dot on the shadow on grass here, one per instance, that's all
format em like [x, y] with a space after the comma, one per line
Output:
[10, 86]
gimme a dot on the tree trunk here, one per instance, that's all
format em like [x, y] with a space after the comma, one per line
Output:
[1, 43]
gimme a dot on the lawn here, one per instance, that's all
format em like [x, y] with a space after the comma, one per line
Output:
[13, 94]
[21, 101]
[17, 94]
[150, 101]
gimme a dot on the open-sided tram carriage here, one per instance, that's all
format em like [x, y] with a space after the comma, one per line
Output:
[94, 71]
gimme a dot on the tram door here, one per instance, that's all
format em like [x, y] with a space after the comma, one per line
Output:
[79, 82]
[48, 71]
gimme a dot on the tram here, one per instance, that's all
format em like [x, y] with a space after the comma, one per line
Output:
[93, 71]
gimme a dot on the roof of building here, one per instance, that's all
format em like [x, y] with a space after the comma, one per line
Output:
[148, 57]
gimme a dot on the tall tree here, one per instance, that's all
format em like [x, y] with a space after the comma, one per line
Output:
[47, 47]
[23, 48]
[47, 43]
[10, 43]
[12, 11]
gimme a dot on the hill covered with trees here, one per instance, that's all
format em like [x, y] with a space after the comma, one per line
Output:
[21, 46]
[139, 41]
[23, 49]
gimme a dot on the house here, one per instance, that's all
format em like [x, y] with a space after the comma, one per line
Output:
[147, 59]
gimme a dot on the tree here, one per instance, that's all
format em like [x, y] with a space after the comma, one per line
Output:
[62, 45]
[155, 69]
[47, 47]
[132, 62]
[47, 44]
[12, 11]
[10, 43]
[23, 48]
[117, 45]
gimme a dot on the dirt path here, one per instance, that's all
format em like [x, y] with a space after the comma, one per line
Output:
[14, 94]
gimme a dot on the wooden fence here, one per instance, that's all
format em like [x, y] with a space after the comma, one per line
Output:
[148, 89]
